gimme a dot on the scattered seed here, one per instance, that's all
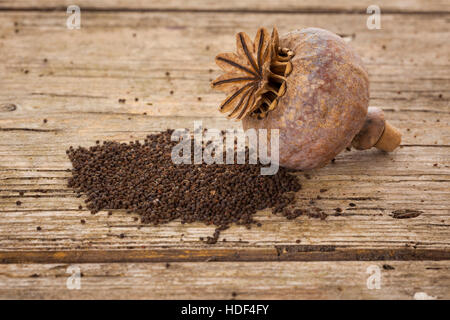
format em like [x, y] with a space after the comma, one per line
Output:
[292, 214]
[317, 213]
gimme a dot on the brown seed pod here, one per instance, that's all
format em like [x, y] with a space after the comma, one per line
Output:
[311, 86]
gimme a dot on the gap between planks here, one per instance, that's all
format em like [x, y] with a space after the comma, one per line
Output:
[235, 6]
[223, 11]
[277, 253]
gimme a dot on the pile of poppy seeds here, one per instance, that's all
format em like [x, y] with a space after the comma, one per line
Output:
[142, 178]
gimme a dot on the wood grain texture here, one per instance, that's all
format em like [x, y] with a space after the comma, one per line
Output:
[77, 90]
[162, 54]
[231, 280]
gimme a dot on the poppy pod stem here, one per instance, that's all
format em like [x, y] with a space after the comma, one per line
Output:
[376, 132]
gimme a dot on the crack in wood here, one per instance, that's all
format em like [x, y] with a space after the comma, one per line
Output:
[30, 129]
[67, 95]
[412, 110]
[291, 11]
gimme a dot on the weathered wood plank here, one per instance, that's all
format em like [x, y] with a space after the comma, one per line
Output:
[75, 78]
[235, 5]
[48, 204]
[231, 280]
[400, 82]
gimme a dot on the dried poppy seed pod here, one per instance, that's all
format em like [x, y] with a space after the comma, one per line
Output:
[311, 86]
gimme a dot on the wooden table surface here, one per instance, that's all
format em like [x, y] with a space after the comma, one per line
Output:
[159, 56]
